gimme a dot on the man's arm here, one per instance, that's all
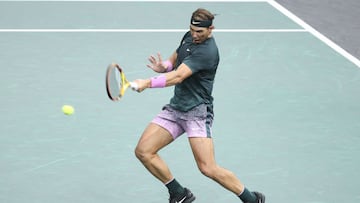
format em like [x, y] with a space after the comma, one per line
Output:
[164, 80]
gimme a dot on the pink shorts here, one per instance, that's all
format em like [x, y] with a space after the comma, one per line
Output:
[196, 123]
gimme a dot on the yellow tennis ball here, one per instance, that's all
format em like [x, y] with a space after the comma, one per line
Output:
[68, 110]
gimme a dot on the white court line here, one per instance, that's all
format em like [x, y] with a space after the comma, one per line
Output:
[168, 1]
[148, 30]
[313, 31]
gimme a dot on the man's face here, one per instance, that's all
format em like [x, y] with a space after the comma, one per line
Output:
[200, 34]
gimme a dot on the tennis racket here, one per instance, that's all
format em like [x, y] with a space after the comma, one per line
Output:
[116, 82]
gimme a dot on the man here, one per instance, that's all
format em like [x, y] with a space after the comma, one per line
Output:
[191, 68]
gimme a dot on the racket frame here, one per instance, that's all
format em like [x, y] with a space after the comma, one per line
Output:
[124, 83]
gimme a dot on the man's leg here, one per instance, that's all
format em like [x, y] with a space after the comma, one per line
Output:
[152, 140]
[203, 150]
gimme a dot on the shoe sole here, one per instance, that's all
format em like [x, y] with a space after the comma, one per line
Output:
[190, 200]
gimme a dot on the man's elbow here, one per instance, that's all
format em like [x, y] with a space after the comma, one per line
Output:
[179, 79]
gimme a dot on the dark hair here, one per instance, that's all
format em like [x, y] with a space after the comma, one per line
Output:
[202, 14]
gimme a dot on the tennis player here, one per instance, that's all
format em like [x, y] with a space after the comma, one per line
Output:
[191, 69]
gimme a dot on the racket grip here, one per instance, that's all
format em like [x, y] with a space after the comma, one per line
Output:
[134, 86]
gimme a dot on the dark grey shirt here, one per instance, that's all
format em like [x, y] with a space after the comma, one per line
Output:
[203, 60]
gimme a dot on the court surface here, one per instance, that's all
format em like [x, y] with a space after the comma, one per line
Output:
[287, 104]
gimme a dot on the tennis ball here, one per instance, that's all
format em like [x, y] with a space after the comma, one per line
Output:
[68, 110]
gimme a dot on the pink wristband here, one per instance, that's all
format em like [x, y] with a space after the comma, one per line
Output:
[168, 65]
[158, 81]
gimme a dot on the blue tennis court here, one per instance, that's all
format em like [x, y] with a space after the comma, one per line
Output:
[290, 129]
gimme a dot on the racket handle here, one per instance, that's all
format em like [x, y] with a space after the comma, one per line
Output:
[134, 86]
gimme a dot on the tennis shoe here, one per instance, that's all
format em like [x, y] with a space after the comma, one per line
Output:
[188, 197]
[260, 198]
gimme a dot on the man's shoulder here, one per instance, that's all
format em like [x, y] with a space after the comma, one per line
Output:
[186, 35]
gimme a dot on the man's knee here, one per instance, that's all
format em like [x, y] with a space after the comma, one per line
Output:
[140, 153]
[208, 171]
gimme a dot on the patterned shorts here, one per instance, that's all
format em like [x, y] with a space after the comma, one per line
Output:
[196, 123]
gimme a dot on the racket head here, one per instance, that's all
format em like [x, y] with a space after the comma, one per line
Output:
[116, 83]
